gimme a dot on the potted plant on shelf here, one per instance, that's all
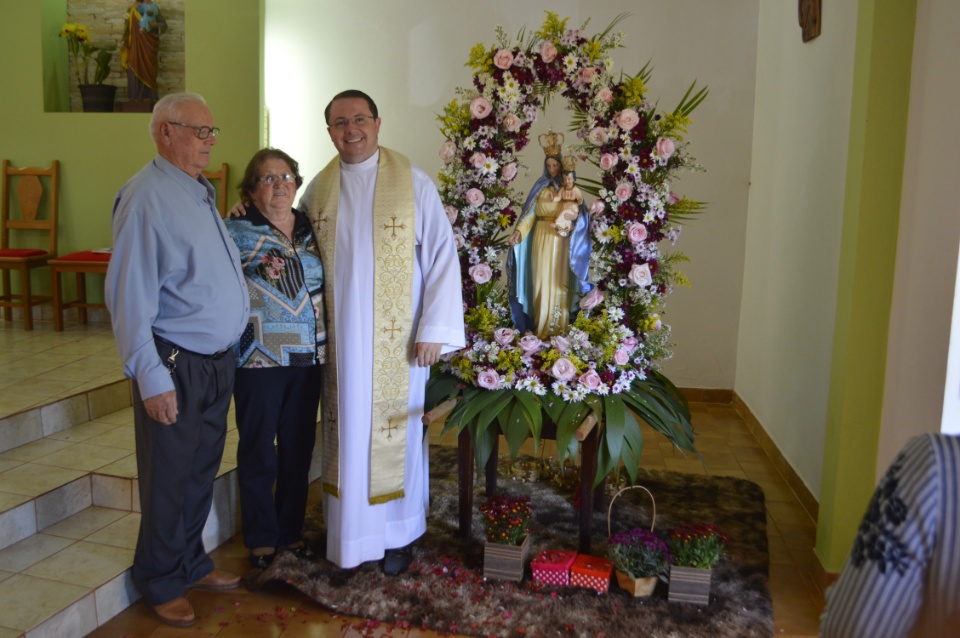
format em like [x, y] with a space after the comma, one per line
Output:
[695, 550]
[640, 558]
[505, 522]
[96, 95]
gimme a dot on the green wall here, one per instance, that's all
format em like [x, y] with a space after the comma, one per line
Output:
[99, 152]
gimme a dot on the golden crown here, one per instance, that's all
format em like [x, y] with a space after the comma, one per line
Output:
[569, 162]
[553, 143]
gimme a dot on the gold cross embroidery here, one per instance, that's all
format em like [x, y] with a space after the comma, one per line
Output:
[393, 329]
[392, 424]
[394, 226]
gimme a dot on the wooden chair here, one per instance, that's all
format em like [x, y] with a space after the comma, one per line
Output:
[27, 222]
[88, 262]
[221, 181]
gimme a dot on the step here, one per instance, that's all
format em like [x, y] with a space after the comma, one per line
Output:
[69, 512]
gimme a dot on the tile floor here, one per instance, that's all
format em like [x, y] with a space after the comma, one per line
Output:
[67, 556]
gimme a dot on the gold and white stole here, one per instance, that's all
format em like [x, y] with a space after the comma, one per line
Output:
[394, 239]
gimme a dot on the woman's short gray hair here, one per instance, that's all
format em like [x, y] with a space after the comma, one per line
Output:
[167, 109]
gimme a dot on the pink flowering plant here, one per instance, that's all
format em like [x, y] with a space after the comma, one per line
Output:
[506, 518]
[606, 360]
[639, 553]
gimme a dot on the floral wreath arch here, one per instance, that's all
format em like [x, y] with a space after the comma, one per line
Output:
[604, 362]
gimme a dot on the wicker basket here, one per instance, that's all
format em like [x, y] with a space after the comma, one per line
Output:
[637, 587]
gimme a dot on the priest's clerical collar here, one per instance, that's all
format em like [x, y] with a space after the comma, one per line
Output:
[364, 165]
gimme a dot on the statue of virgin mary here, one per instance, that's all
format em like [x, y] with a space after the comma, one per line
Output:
[548, 268]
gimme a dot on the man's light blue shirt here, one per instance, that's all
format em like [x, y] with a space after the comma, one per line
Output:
[174, 273]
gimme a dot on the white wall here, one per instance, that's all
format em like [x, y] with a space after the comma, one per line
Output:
[410, 57]
[800, 140]
[915, 399]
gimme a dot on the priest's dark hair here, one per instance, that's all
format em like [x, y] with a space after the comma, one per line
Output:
[251, 175]
[348, 94]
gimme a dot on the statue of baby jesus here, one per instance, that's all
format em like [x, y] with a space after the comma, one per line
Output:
[570, 199]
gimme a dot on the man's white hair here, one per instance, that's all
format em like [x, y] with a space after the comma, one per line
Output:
[167, 109]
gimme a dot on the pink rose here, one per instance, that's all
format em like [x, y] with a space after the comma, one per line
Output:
[627, 119]
[598, 136]
[591, 299]
[636, 232]
[629, 344]
[511, 123]
[597, 206]
[674, 198]
[480, 107]
[607, 161]
[530, 344]
[621, 357]
[458, 240]
[481, 273]
[605, 95]
[478, 160]
[504, 336]
[563, 370]
[448, 150]
[502, 59]
[640, 275]
[475, 197]
[561, 344]
[665, 147]
[591, 380]
[548, 52]
[488, 379]
[587, 74]
[509, 172]
[623, 191]
[452, 213]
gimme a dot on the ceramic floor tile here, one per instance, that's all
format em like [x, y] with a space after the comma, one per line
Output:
[31, 551]
[120, 417]
[33, 480]
[83, 563]
[83, 456]
[82, 432]
[5, 575]
[84, 523]
[119, 533]
[6, 464]
[26, 601]
[125, 467]
[119, 436]
[34, 450]
[9, 500]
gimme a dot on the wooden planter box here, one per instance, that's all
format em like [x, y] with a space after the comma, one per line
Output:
[505, 562]
[690, 585]
[637, 587]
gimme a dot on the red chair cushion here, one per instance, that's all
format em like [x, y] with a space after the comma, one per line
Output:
[21, 252]
[85, 255]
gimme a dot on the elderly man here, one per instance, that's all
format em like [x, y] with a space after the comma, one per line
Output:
[178, 302]
[395, 305]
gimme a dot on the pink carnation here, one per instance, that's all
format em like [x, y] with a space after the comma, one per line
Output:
[475, 197]
[605, 95]
[591, 380]
[509, 172]
[478, 160]
[665, 147]
[598, 136]
[502, 59]
[488, 379]
[627, 119]
[548, 52]
[621, 357]
[607, 161]
[563, 370]
[640, 275]
[481, 273]
[480, 107]
[591, 299]
[629, 344]
[511, 122]
[530, 344]
[504, 336]
[623, 191]
[636, 232]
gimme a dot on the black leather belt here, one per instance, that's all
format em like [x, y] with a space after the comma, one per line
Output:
[215, 356]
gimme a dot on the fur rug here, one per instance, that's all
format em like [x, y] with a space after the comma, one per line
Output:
[444, 590]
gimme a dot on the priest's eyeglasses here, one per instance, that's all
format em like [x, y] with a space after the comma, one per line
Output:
[203, 132]
[273, 179]
[358, 120]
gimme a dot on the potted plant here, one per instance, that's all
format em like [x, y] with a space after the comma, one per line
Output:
[505, 523]
[695, 550]
[96, 95]
[640, 558]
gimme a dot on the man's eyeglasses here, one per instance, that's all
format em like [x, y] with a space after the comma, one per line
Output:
[203, 132]
[359, 120]
[273, 179]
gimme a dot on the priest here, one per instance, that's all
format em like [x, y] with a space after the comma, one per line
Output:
[394, 306]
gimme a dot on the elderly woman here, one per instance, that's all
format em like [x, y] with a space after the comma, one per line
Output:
[277, 389]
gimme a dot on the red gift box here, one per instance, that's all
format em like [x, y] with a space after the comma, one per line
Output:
[591, 572]
[552, 566]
